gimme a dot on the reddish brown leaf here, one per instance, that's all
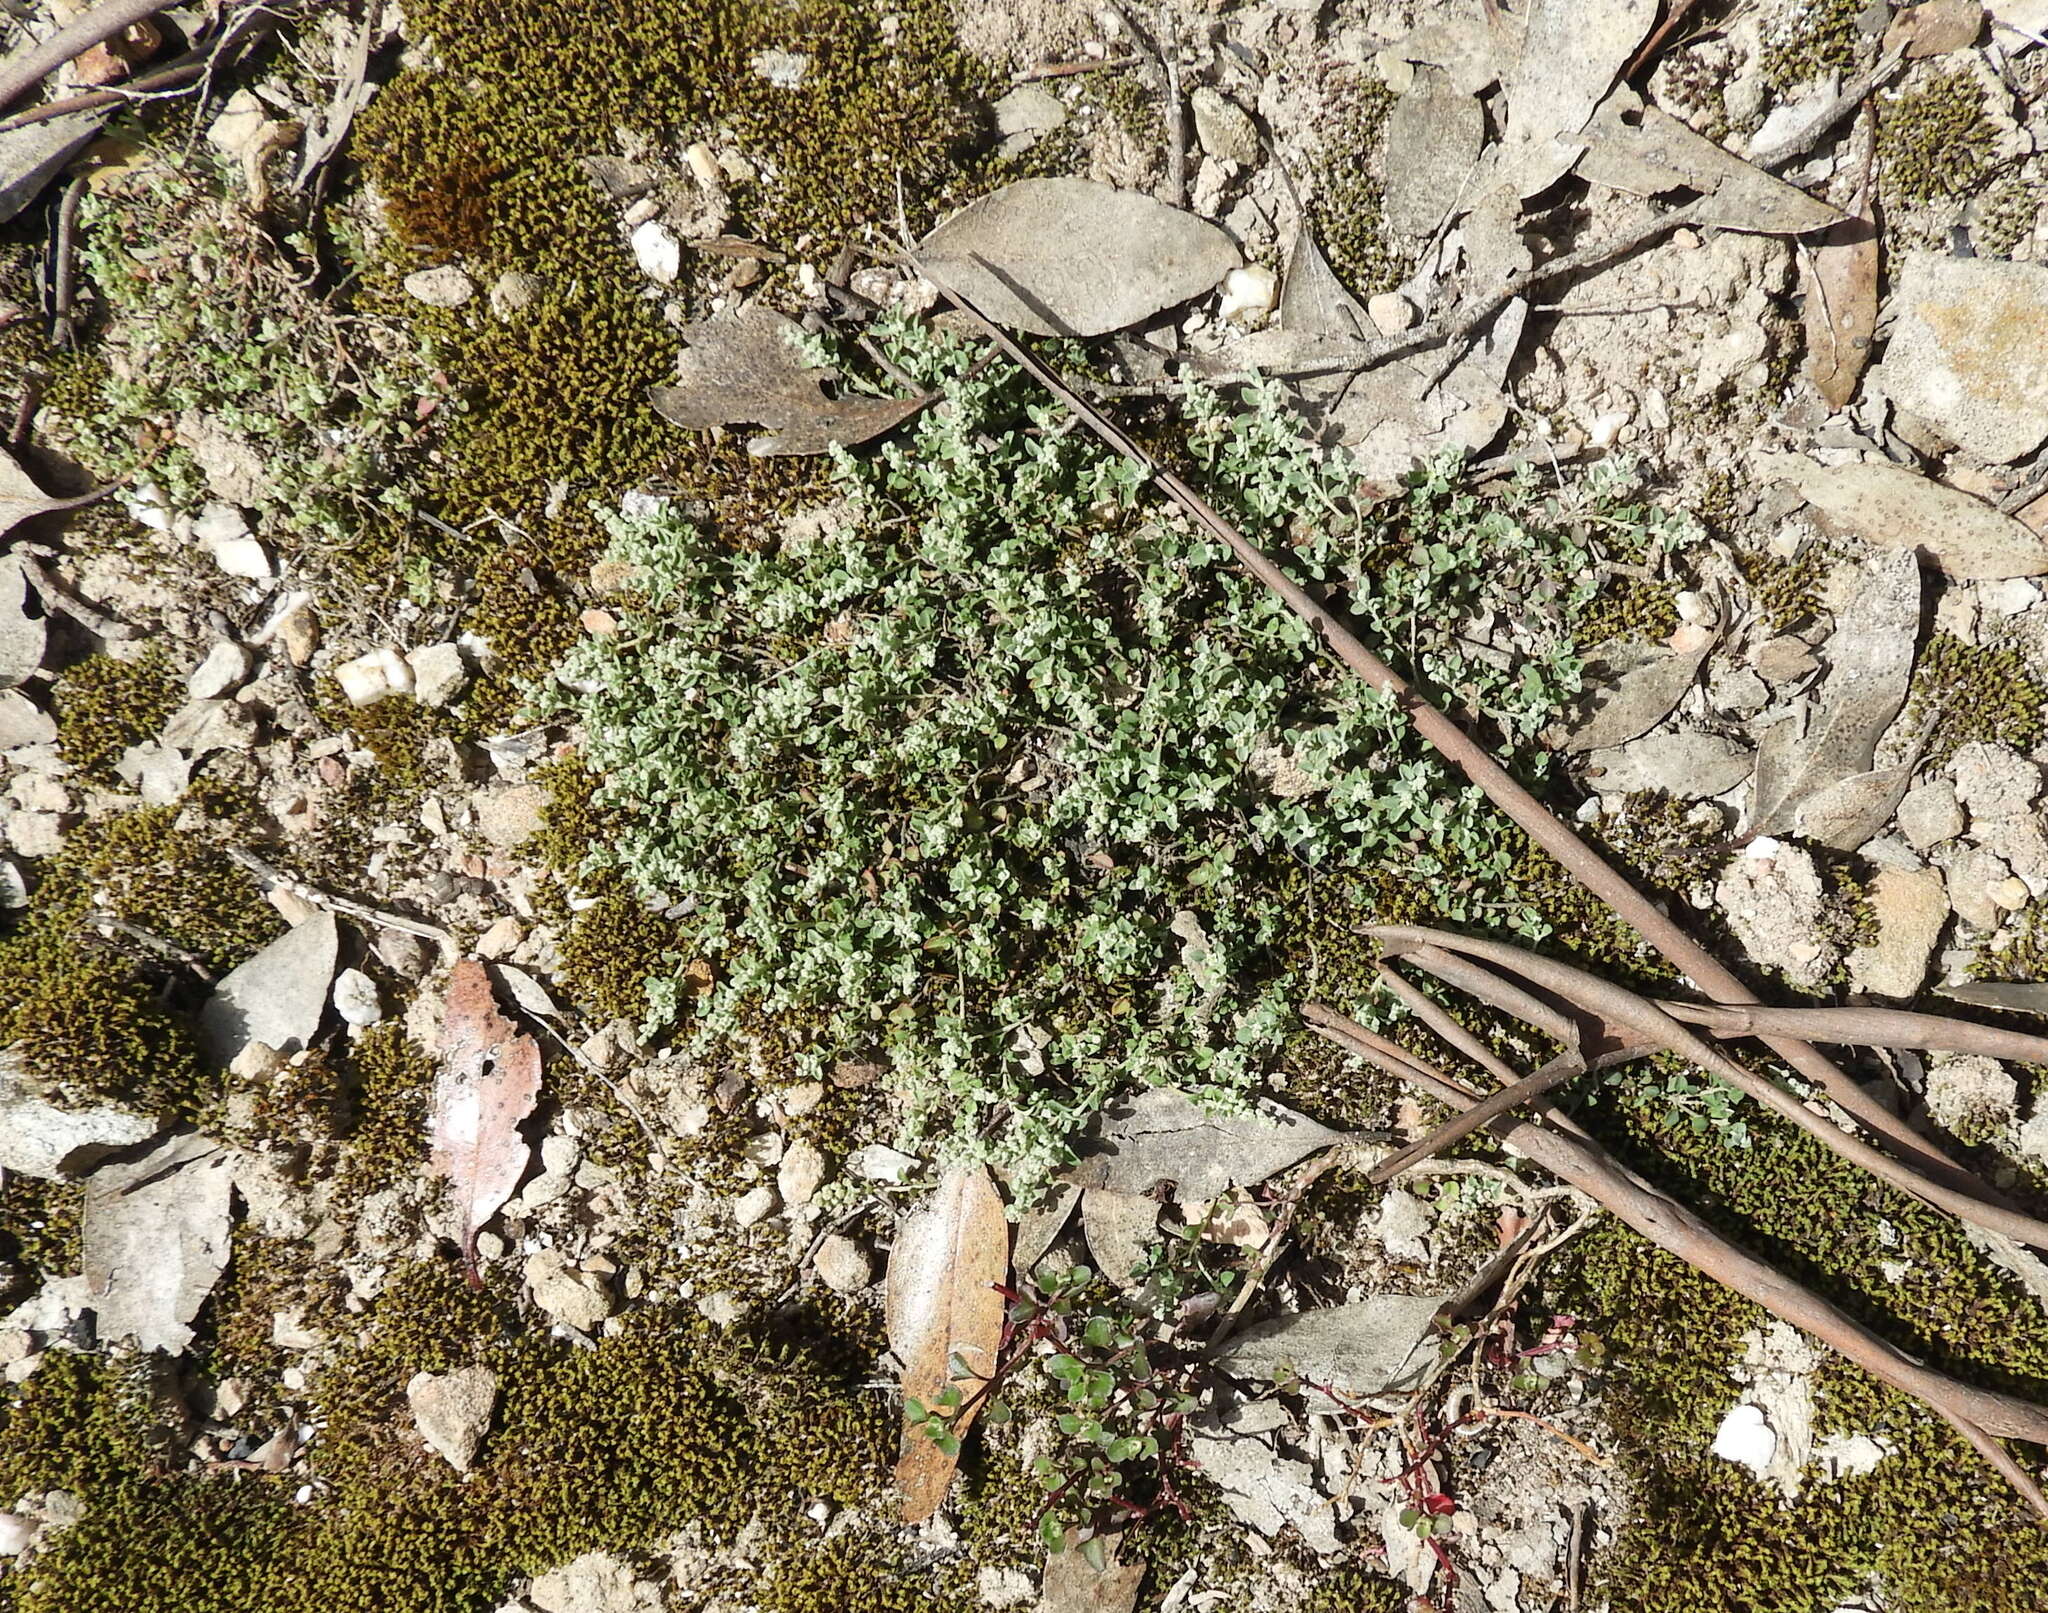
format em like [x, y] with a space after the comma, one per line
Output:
[943, 1302]
[490, 1077]
[1841, 295]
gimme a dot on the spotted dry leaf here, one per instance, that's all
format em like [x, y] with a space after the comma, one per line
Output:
[489, 1079]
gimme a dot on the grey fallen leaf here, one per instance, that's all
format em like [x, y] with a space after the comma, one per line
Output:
[1649, 682]
[743, 369]
[155, 1240]
[277, 997]
[1572, 52]
[1895, 508]
[1264, 1487]
[1644, 151]
[1464, 47]
[1313, 301]
[528, 993]
[2015, 996]
[21, 500]
[1689, 766]
[34, 154]
[1390, 417]
[1850, 813]
[1161, 1136]
[1038, 1230]
[1120, 1228]
[1379, 1345]
[23, 632]
[1870, 665]
[1434, 133]
[1969, 351]
[1070, 257]
[45, 1139]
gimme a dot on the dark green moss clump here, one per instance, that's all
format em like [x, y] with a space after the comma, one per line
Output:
[1349, 205]
[1934, 141]
[1820, 38]
[104, 704]
[1786, 592]
[1975, 692]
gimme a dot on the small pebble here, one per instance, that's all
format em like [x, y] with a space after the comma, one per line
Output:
[1391, 313]
[844, 1265]
[445, 287]
[1249, 295]
[225, 669]
[658, 252]
[754, 1206]
[355, 998]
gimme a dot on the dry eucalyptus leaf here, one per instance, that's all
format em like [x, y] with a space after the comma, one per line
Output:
[1688, 766]
[1934, 28]
[1571, 54]
[1069, 257]
[21, 500]
[1313, 301]
[1039, 1229]
[155, 1240]
[1841, 304]
[743, 369]
[1644, 151]
[1073, 1584]
[1377, 1346]
[2015, 996]
[1160, 1136]
[1870, 664]
[1637, 700]
[488, 1083]
[1437, 131]
[1896, 508]
[943, 1302]
[1849, 813]
[22, 634]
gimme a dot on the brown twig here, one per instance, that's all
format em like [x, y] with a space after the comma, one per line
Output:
[1980, 1414]
[1433, 1014]
[64, 265]
[1865, 1027]
[1518, 1093]
[1547, 830]
[171, 77]
[1641, 1020]
[74, 39]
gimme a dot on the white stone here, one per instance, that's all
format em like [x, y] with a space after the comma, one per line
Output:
[801, 1173]
[374, 676]
[1973, 877]
[243, 557]
[40, 1139]
[438, 673]
[1249, 295]
[658, 252]
[452, 1410]
[1993, 781]
[754, 1206]
[843, 1264]
[16, 1532]
[225, 669]
[785, 69]
[596, 1582]
[578, 1299]
[1746, 1439]
[443, 287]
[219, 522]
[1391, 313]
[1403, 1225]
[1843, 1456]
[878, 1162]
[355, 998]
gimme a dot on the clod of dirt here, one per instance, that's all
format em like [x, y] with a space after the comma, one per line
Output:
[1910, 907]
[452, 1410]
[1775, 903]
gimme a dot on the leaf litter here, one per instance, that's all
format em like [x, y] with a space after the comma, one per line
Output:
[487, 1085]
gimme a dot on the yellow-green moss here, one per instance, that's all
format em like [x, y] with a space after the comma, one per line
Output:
[1812, 40]
[39, 1225]
[386, 1085]
[1981, 691]
[1934, 140]
[1786, 592]
[104, 704]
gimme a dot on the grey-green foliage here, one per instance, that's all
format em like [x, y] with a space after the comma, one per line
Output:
[973, 771]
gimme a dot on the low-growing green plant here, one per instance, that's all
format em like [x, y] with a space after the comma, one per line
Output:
[990, 768]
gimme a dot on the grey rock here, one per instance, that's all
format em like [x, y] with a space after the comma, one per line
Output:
[155, 1240]
[200, 726]
[1930, 814]
[34, 154]
[1911, 910]
[225, 669]
[596, 1582]
[438, 673]
[155, 772]
[443, 287]
[1025, 115]
[1993, 781]
[578, 1299]
[43, 1139]
[1968, 1092]
[23, 722]
[1223, 127]
[1969, 353]
[513, 292]
[844, 1265]
[1774, 900]
[754, 1206]
[277, 996]
[22, 635]
[1974, 878]
[452, 1411]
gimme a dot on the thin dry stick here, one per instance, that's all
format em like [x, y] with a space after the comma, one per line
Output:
[1542, 826]
[73, 40]
[1977, 1413]
[1518, 1093]
[176, 75]
[1475, 980]
[1865, 1027]
[1438, 1018]
[1642, 1019]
